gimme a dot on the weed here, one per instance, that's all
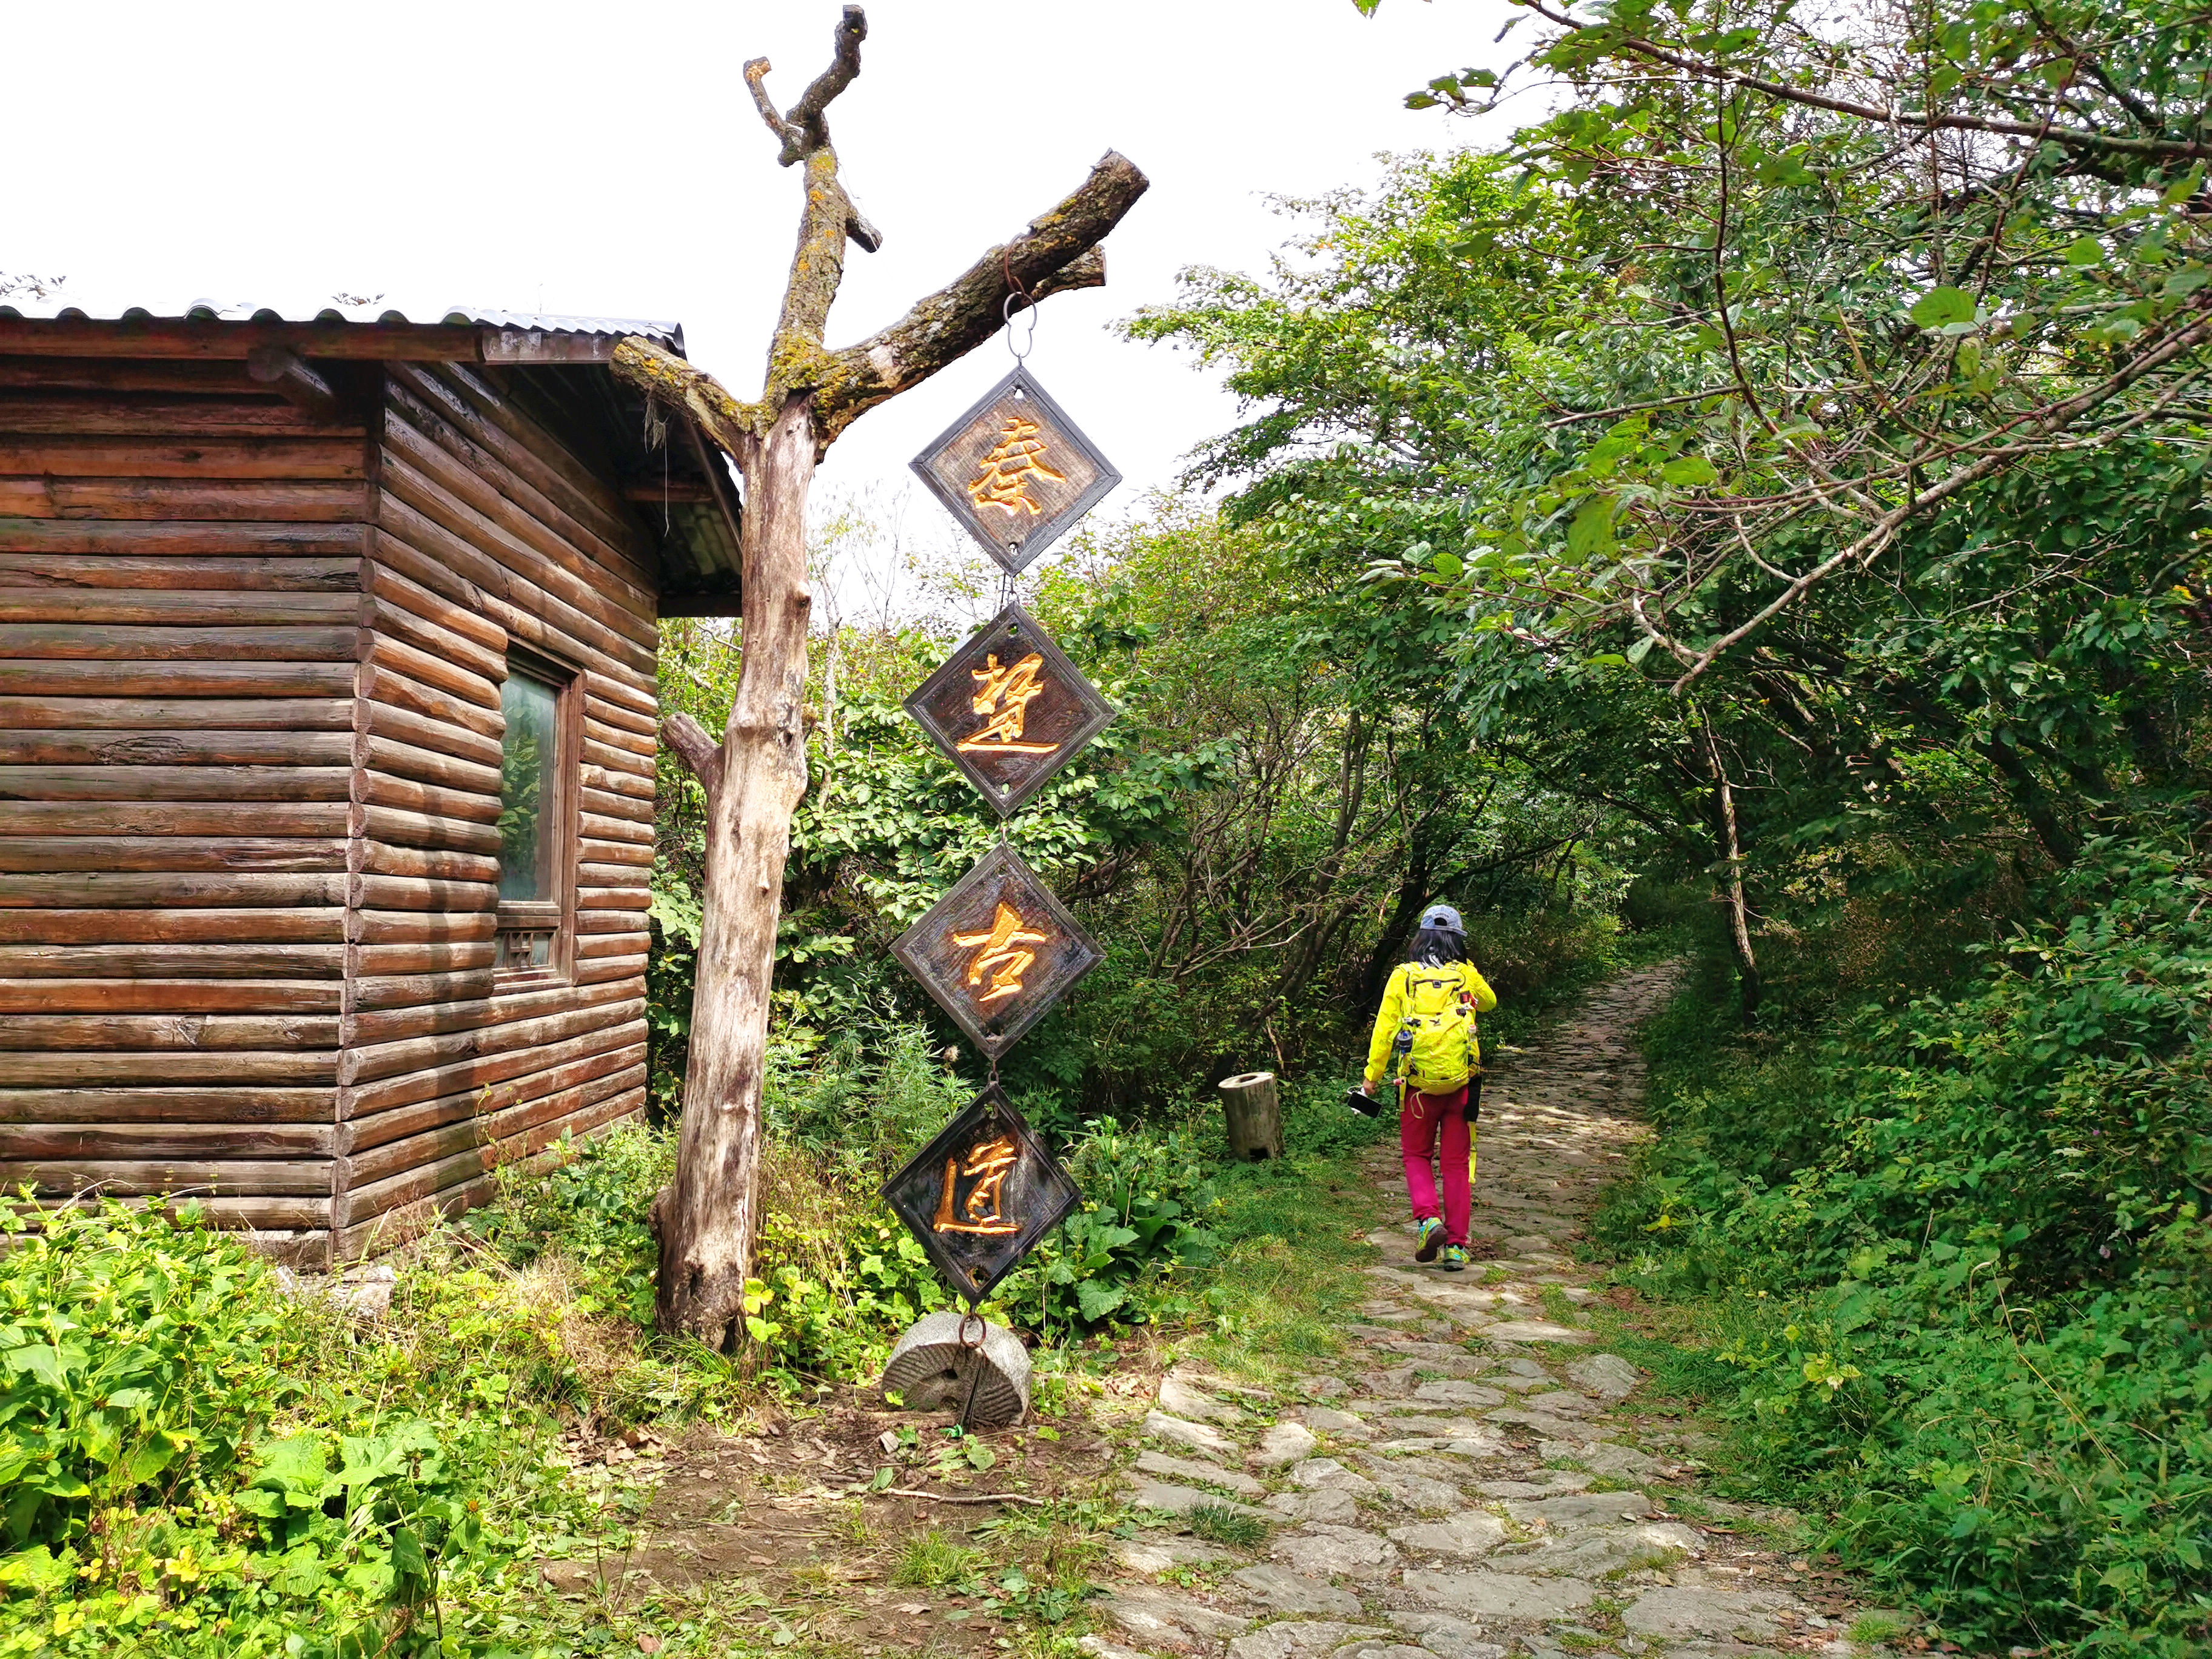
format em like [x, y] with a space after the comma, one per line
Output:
[1218, 1523]
[931, 1560]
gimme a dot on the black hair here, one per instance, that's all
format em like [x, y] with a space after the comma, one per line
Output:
[1435, 946]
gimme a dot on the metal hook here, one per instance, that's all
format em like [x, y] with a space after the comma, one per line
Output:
[1006, 315]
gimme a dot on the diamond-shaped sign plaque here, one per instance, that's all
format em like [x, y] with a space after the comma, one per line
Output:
[982, 1194]
[1016, 470]
[998, 950]
[1009, 709]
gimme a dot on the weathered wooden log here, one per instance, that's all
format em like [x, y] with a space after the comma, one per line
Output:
[190, 818]
[422, 928]
[397, 622]
[43, 1067]
[197, 747]
[171, 961]
[123, 678]
[124, 456]
[27, 854]
[398, 693]
[157, 537]
[51, 497]
[221, 1107]
[1252, 1110]
[423, 799]
[285, 372]
[131, 890]
[432, 864]
[397, 759]
[200, 714]
[159, 415]
[397, 829]
[109, 643]
[418, 665]
[171, 996]
[204, 573]
[287, 920]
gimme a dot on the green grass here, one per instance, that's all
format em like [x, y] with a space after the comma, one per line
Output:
[1217, 1524]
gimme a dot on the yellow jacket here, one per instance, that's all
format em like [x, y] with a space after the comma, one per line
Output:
[1395, 1007]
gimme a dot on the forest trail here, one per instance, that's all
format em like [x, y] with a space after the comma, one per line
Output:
[1477, 1477]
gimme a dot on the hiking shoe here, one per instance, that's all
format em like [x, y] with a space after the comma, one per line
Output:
[1431, 1240]
[1454, 1258]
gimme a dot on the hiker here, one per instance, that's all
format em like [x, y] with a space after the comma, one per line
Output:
[1427, 1024]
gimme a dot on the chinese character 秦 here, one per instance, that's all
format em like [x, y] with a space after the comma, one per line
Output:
[1004, 694]
[1002, 953]
[1017, 457]
[992, 1160]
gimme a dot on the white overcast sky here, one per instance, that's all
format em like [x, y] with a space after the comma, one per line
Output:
[606, 161]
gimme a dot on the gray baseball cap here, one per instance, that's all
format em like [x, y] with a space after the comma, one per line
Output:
[1442, 917]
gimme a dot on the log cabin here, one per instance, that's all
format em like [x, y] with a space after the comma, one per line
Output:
[328, 708]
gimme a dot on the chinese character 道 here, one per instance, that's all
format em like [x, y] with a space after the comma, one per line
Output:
[993, 1160]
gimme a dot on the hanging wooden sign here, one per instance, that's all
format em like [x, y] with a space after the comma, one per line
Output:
[982, 1194]
[997, 951]
[1009, 709]
[1016, 470]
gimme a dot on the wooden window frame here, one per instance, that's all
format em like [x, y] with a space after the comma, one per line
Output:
[557, 915]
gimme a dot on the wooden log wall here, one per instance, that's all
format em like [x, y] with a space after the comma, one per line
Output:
[489, 530]
[250, 726]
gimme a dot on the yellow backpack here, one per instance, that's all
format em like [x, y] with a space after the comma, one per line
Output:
[1439, 1018]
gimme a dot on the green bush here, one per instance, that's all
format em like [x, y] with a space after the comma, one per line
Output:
[1967, 1278]
[186, 1469]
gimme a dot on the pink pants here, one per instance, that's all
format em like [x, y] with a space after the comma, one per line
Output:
[1421, 1122]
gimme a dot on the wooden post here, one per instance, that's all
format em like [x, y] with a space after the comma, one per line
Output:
[1252, 1106]
[707, 1217]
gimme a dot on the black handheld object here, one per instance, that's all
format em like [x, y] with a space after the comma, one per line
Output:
[1365, 1105]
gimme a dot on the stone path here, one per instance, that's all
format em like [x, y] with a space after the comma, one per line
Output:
[1476, 1479]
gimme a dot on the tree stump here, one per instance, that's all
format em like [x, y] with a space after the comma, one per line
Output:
[1253, 1107]
[929, 1370]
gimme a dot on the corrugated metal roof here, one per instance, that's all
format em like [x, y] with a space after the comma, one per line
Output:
[215, 310]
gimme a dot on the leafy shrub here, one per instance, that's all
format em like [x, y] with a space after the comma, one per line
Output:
[1147, 1194]
[1963, 1249]
[187, 1469]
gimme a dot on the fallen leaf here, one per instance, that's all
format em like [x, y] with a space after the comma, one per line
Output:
[913, 1606]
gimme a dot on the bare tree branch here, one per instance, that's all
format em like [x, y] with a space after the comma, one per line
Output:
[697, 750]
[786, 134]
[1059, 251]
[844, 65]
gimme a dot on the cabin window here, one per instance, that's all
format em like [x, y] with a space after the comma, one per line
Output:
[535, 833]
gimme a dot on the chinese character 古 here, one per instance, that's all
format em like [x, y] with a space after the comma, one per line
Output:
[1000, 955]
[1004, 694]
[1017, 457]
[992, 1160]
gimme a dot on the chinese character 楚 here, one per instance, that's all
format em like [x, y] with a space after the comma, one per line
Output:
[1004, 694]
[1017, 457]
[1000, 954]
[992, 1160]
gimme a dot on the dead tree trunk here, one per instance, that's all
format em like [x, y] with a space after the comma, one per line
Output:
[1750, 987]
[708, 1217]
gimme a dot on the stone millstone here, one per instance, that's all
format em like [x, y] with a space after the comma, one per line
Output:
[930, 1370]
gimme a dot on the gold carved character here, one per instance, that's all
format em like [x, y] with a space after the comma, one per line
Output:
[1004, 694]
[1003, 479]
[1001, 953]
[993, 1160]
